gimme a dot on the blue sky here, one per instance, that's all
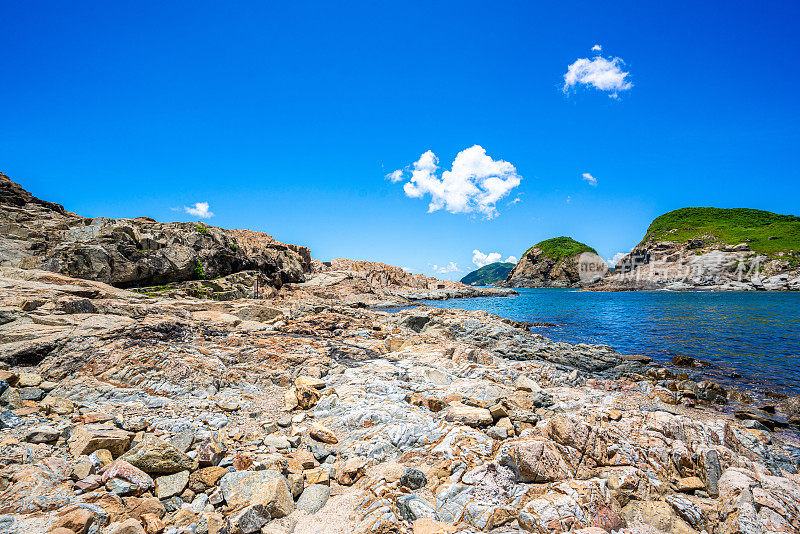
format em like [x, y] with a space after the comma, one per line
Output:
[285, 117]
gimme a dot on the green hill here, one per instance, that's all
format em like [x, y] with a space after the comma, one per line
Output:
[764, 231]
[561, 247]
[488, 274]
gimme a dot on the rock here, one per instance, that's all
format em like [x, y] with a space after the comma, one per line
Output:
[183, 440]
[689, 484]
[349, 471]
[323, 434]
[412, 507]
[11, 398]
[122, 470]
[498, 411]
[413, 479]
[537, 461]
[523, 383]
[305, 381]
[248, 520]
[210, 452]
[9, 419]
[206, 478]
[86, 439]
[297, 484]
[48, 386]
[30, 394]
[29, 380]
[468, 415]
[153, 455]
[307, 398]
[228, 404]
[75, 518]
[152, 524]
[683, 360]
[11, 378]
[313, 498]
[134, 424]
[290, 403]
[57, 405]
[614, 415]
[169, 485]
[117, 486]
[42, 434]
[317, 476]
[139, 507]
[268, 488]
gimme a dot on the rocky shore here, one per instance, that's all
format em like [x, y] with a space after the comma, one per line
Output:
[129, 413]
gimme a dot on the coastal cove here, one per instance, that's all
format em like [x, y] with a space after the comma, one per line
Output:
[754, 334]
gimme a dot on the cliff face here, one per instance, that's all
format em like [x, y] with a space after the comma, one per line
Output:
[134, 252]
[558, 262]
[716, 249]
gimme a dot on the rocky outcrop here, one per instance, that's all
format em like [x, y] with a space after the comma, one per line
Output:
[154, 414]
[706, 264]
[558, 262]
[134, 252]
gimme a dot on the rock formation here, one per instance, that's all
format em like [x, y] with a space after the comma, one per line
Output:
[557, 262]
[713, 249]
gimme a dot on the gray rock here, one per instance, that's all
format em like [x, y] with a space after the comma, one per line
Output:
[121, 487]
[249, 520]
[9, 419]
[42, 434]
[413, 507]
[313, 498]
[31, 393]
[183, 440]
[170, 485]
[413, 479]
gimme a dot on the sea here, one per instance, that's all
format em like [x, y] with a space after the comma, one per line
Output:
[746, 340]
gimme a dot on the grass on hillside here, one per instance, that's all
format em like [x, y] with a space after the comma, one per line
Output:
[561, 247]
[488, 274]
[764, 231]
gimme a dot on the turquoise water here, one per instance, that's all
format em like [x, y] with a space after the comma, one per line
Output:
[756, 335]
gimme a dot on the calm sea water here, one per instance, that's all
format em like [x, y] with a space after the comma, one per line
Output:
[756, 335]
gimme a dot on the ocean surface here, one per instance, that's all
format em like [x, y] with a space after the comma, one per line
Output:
[752, 334]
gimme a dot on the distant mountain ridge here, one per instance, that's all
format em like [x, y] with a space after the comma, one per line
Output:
[488, 274]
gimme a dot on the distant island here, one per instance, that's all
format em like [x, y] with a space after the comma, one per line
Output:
[685, 249]
[488, 274]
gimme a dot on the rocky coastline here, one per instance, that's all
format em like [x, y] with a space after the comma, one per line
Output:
[201, 406]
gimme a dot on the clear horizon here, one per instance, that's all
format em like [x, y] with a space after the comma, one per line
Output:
[414, 135]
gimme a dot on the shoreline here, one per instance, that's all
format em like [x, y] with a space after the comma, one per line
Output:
[349, 418]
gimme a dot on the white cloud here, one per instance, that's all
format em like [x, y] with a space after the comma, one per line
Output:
[407, 269]
[569, 199]
[604, 74]
[200, 209]
[518, 199]
[615, 259]
[395, 176]
[481, 260]
[589, 178]
[475, 183]
[597, 48]
[449, 268]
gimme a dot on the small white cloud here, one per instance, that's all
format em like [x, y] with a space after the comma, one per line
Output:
[395, 176]
[604, 74]
[597, 48]
[614, 260]
[590, 179]
[474, 184]
[449, 268]
[569, 199]
[480, 259]
[407, 269]
[518, 199]
[511, 259]
[200, 209]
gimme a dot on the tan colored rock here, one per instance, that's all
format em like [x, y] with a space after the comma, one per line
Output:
[614, 415]
[349, 471]
[152, 524]
[10, 377]
[57, 405]
[168, 485]
[468, 415]
[125, 471]
[524, 383]
[689, 484]
[305, 381]
[86, 439]
[206, 478]
[129, 526]
[307, 398]
[269, 488]
[535, 461]
[74, 518]
[29, 380]
[290, 400]
[139, 507]
[323, 434]
[154, 455]
[317, 476]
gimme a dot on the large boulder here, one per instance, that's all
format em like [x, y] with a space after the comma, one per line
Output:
[268, 488]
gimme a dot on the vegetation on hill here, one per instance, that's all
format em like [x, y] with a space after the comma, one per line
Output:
[763, 231]
[488, 274]
[561, 247]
